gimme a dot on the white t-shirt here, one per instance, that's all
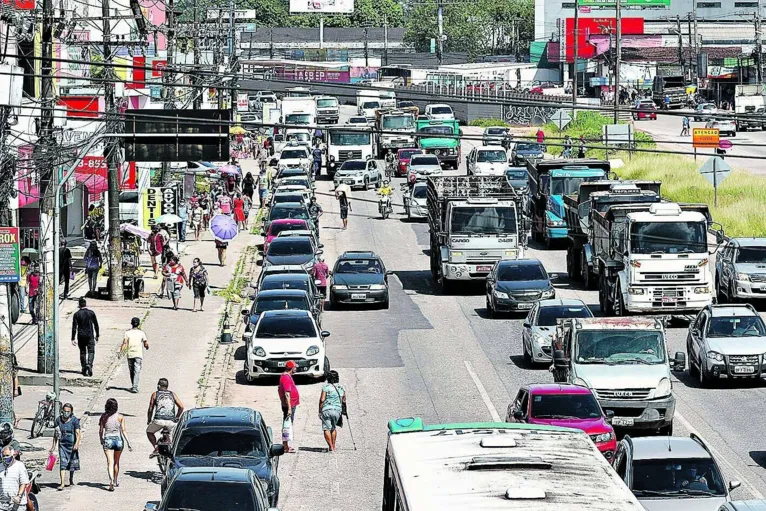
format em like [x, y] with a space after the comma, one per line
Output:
[11, 479]
[135, 339]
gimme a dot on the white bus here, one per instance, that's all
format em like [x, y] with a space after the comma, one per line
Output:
[498, 466]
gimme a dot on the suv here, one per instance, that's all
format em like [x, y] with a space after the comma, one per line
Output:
[487, 161]
[740, 269]
[358, 173]
[726, 341]
[439, 112]
[672, 473]
[225, 436]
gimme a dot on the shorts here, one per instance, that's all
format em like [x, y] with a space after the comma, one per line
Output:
[263, 193]
[113, 443]
[221, 244]
[322, 290]
[198, 290]
[330, 418]
[343, 213]
[157, 424]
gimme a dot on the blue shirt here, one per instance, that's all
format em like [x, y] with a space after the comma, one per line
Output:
[333, 398]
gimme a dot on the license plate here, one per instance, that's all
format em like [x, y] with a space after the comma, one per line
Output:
[484, 268]
[622, 421]
[669, 299]
[281, 364]
[524, 306]
[348, 182]
[358, 296]
[744, 369]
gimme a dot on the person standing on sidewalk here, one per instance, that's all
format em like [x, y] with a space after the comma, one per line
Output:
[67, 434]
[85, 328]
[164, 410]
[332, 403]
[155, 248]
[23, 283]
[33, 290]
[65, 266]
[93, 262]
[289, 398]
[13, 479]
[114, 437]
[176, 278]
[198, 283]
[133, 344]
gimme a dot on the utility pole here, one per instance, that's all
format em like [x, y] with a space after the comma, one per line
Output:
[385, 40]
[6, 356]
[168, 76]
[680, 46]
[198, 91]
[233, 63]
[217, 55]
[696, 48]
[366, 52]
[271, 43]
[692, 52]
[575, 39]
[758, 45]
[440, 25]
[617, 47]
[321, 31]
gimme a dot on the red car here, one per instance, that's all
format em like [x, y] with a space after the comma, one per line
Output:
[283, 224]
[569, 406]
[404, 156]
[645, 109]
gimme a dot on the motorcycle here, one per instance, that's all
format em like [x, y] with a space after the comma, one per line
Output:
[384, 206]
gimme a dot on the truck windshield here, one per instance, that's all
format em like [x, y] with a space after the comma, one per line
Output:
[615, 347]
[677, 477]
[751, 255]
[566, 185]
[327, 103]
[436, 130]
[298, 119]
[398, 122]
[668, 237]
[481, 219]
[441, 110]
[491, 156]
[743, 326]
[353, 138]
[299, 137]
[370, 105]
[565, 406]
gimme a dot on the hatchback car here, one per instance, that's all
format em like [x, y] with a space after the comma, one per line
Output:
[518, 177]
[523, 151]
[403, 157]
[278, 299]
[422, 166]
[358, 174]
[292, 251]
[224, 436]
[645, 109]
[740, 270]
[359, 277]
[285, 335]
[704, 111]
[724, 126]
[568, 406]
[516, 284]
[540, 325]
[496, 135]
[277, 226]
[289, 277]
[415, 201]
[287, 210]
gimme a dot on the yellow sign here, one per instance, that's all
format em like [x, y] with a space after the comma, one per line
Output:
[705, 138]
[152, 202]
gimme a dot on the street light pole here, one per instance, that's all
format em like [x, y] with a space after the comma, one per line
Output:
[576, 36]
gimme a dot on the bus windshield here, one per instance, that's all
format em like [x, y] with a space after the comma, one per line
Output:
[349, 138]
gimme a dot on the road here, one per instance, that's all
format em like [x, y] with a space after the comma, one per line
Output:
[442, 358]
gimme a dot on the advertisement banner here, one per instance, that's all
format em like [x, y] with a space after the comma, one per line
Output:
[10, 268]
[595, 26]
[321, 6]
[24, 5]
[306, 74]
[612, 3]
[242, 103]
[158, 202]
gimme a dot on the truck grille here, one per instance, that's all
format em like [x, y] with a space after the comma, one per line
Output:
[349, 155]
[626, 394]
[750, 360]
[665, 277]
[481, 260]
[758, 277]
[669, 292]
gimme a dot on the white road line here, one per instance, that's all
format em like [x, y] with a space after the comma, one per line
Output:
[483, 392]
[719, 457]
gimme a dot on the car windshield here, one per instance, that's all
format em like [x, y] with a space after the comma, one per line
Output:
[677, 477]
[353, 165]
[751, 255]
[359, 266]
[743, 326]
[406, 104]
[568, 185]
[419, 192]
[529, 148]
[496, 131]
[349, 138]
[297, 119]
[516, 175]
[293, 154]
[290, 246]
[327, 103]
[287, 197]
[614, 347]
[356, 120]
[210, 496]
[549, 315]
[370, 105]
[441, 110]
[279, 227]
[424, 160]
[300, 137]
[521, 272]
[436, 130]
[278, 138]
[491, 156]
[276, 303]
[280, 283]
[285, 326]
[484, 219]
[301, 181]
[279, 212]
[565, 406]
[407, 153]
[668, 237]
[398, 122]
[203, 442]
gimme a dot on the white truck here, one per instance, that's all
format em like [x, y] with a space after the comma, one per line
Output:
[272, 113]
[299, 110]
[396, 130]
[387, 94]
[328, 111]
[367, 103]
[749, 106]
[652, 258]
[348, 144]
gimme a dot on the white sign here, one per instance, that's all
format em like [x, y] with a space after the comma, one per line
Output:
[618, 134]
[321, 6]
[239, 14]
[11, 85]
[715, 170]
[241, 102]
[561, 119]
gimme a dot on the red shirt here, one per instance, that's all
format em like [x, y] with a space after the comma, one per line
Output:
[33, 284]
[287, 384]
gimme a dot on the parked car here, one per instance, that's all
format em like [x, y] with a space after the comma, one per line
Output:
[415, 200]
[288, 196]
[516, 284]
[357, 120]
[423, 165]
[726, 341]
[540, 326]
[740, 270]
[294, 156]
[704, 111]
[225, 436]
[522, 151]
[667, 472]
[496, 135]
[359, 277]
[358, 174]
[285, 210]
[285, 335]
[487, 161]
[518, 177]
[403, 157]
[645, 109]
[289, 277]
[724, 126]
[292, 251]
[568, 406]
[278, 299]
[277, 226]
[744, 505]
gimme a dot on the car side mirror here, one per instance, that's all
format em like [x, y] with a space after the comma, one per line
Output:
[518, 415]
[245, 313]
[276, 450]
[251, 297]
[319, 252]
[609, 416]
[527, 324]
[733, 485]
[321, 245]
[679, 361]
[325, 333]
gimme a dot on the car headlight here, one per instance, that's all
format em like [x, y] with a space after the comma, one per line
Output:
[702, 290]
[500, 294]
[377, 287]
[582, 383]
[313, 350]
[452, 150]
[664, 388]
[339, 287]
[743, 276]
[636, 290]
[550, 293]
[714, 355]
[602, 437]
[258, 351]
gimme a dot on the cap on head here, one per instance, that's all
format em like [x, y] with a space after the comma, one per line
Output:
[290, 364]
[81, 302]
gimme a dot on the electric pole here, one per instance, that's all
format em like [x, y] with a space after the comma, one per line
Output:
[168, 77]
[198, 91]
[758, 45]
[617, 47]
[680, 46]
[366, 52]
[233, 64]
[575, 39]
[440, 25]
[385, 40]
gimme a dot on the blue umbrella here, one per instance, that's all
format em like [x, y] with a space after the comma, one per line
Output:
[224, 228]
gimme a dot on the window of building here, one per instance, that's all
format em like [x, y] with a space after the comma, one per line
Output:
[708, 5]
[745, 4]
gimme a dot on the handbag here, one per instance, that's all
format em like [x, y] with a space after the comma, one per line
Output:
[287, 430]
[50, 462]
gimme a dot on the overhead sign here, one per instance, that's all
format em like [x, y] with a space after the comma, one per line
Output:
[242, 103]
[715, 170]
[10, 268]
[25, 5]
[561, 119]
[587, 27]
[321, 6]
[612, 3]
[705, 138]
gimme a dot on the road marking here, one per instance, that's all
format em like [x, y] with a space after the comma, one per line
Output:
[720, 458]
[483, 392]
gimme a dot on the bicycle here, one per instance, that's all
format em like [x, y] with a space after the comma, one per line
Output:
[45, 416]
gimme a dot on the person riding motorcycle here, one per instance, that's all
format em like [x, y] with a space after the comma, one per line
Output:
[385, 189]
[385, 193]
[6, 438]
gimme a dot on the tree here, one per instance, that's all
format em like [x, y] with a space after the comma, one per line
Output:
[367, 13]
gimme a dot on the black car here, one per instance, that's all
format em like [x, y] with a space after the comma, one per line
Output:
[279, 299]
[292, 251]
[515, 285]
[359, 277]
[295, 280]
[225, 437]
[213, 489]
[523, 151]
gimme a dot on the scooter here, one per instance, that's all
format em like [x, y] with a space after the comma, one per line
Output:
[384, 206]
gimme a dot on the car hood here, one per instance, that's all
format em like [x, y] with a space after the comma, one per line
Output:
[738, 345]
[622, 376]
[425, 169]
[289, 260]
[492, 166]
[525, 285]
[590, 426]
[257, 465]
[751, 267]
[285, 345]
[690, 504]
[357, 279]
[544, 331]
[349, 172]
[437, 141]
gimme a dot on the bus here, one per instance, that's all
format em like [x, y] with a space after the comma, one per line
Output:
[498, 466]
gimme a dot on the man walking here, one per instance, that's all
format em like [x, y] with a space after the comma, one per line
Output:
[289, 398]
[65, 266]
[133, 344]
[315, 211]
[85, 328]
[13, 480]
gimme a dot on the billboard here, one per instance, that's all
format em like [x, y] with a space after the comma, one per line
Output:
[313, 74]
[158, 202]
[321, 6]
[10, 270]
[594, 26]
[612, 3]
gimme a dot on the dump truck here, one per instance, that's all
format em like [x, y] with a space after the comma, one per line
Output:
[671, 85]
[440, 138]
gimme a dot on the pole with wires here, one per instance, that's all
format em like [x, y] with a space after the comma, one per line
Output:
[440, 35]
[197, 103]
[168, 76]
[233, 63]
[617, 48]
[575, 41]
[758, 45]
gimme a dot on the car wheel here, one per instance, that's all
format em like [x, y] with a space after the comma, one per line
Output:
[527, 354]
[490, 309]
[333, 301]
[249, 377]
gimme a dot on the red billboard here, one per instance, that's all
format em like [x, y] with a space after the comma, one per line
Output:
[25, 5]
[592, 26]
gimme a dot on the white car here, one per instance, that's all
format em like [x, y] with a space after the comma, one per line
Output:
[423, 165]
[357, 120]
[368, 109]
[298, 137]
[439, 112]
[723, 125]
[294, 157]
[283, 335]
[540, 325]
[491, 160]
[358, 174]
[415, 201]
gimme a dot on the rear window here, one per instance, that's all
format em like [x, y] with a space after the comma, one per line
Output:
[293, 154]
[496, 131]
[277, 282]
[211, 496]
[289, 246]
[288, 327]
[549, 315]
[441, 110]
[203, 442]
[521, 272]
[277, 228]
[357, 120]
[367, 105]
[424, 160]
[407, 154]
[276, 303]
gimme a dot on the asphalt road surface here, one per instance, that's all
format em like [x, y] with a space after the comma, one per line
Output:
[442, 358]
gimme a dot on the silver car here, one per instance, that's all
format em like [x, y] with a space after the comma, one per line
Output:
[415, 201]
[496, 135]
[358, 173]
[422, 166]
[740, 270]
[540, 326]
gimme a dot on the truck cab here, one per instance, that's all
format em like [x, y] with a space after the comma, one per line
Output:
[299, 110]
[396, 130]
[328, 111]
[625, 362]
[440, 138]
[348, 144]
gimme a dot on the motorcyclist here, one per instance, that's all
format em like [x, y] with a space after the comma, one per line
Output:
[385, 193]
[6, 438]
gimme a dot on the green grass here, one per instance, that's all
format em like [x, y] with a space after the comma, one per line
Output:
[233, 292]
[484, 122]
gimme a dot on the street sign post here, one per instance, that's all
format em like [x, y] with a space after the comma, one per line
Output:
[10, 268]
[705, 138]
[715, 171]
[561, 119]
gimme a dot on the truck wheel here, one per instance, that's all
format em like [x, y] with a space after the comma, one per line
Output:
[588, 277]
[619, 303]
[573, 264]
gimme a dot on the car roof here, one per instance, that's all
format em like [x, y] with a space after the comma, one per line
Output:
[491, 148]
[292, 313]
[496, 128]
[439, 104]
[554, 302]
[287, 276]
[210, 474]
[732, 311]
[664, 447]
[558, 388]
[271, 293]
[749, 242]
[221, 416]
[288, 221]
[356, 254]
[519, 262]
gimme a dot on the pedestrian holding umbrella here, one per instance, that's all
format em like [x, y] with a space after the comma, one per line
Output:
[224, 229]
[170, 219]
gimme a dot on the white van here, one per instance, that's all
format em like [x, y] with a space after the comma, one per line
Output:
[440, 112]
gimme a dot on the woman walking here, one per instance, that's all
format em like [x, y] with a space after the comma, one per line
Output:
[93, 261]
[114, 437]
[176, 278]
[248, 185]
[332, 404]
[196, 219]
[345, 207]
[198, 283]
[67, 435]
[221, 246]
[239, 212]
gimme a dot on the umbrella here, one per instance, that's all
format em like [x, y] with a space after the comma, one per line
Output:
[29, 252]
[134, 230]
[343, 188]
[224, 228]
[229, 169]
[237, 130]
[168, 218]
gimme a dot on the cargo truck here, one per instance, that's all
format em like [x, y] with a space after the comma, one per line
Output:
[348, 144]
[328, 111]
[299, 110]
[672, 86]
[749, 106]
[474, 222]
[396, 130]
[440, 138]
